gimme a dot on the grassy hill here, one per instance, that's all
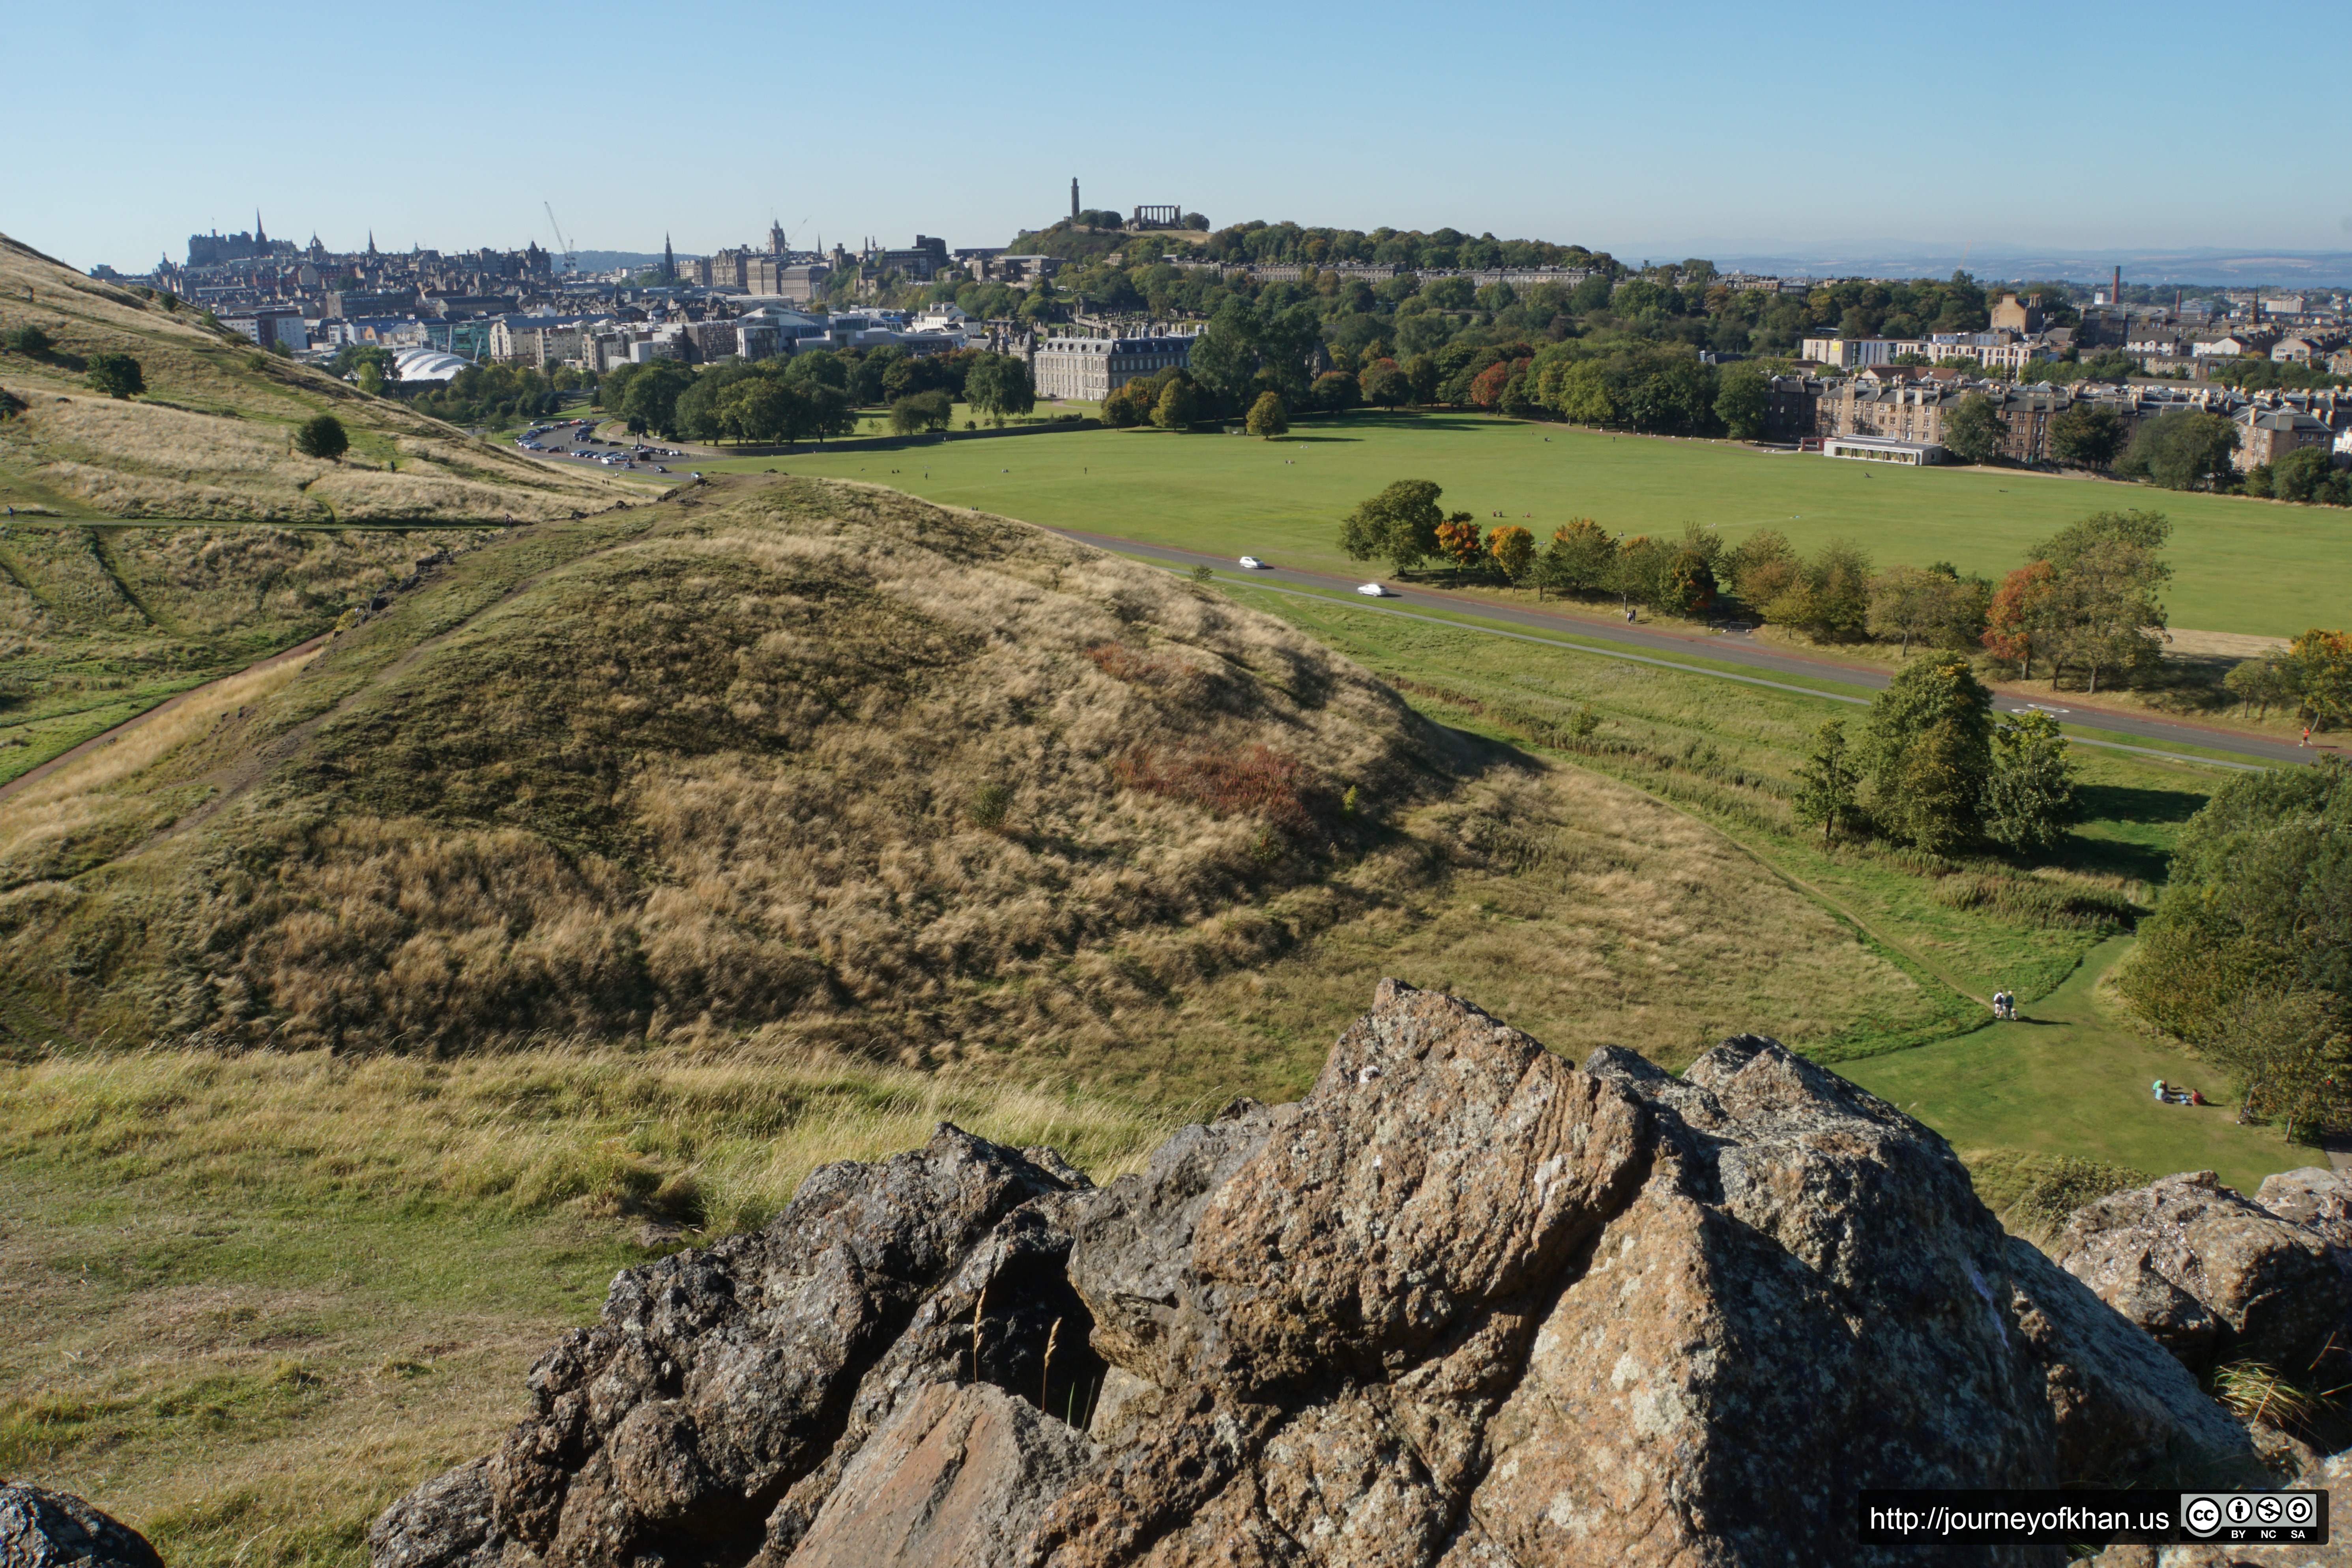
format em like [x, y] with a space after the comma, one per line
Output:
[798, 765]
[211, 438]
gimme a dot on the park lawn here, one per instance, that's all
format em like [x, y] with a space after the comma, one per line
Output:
[2074, 1076]
[2238, 564]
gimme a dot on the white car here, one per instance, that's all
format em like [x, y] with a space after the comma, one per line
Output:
[1253, 563]
[1376, 591]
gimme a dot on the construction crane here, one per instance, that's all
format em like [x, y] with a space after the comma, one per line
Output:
[571, 255]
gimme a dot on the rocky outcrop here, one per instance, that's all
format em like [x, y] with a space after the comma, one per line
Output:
[42, 1529]
[957, 1481]
[716, 1380]
[1466, 1304]
[2213, 1276]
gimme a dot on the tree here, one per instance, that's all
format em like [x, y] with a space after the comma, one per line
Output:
[999, 386]
[31, 341]
[1458, 539]
[1762, 567]
[2087, 435]
[1826, 782]
[1906, 603]
[117, 375]
[2104, 605]
[2183, 451]
[922, 411]
[2263, 681]
[1514, 549]
[1335, 391]
[2029, 792]
[2322, 665]
[1384, 385]
[1582, 393]
[2257, 911]
[1577, 560]
[1421, 377]
[1398, 525]
[2309, 475]
[1130, 405]
[1974, 429]
[322, 436]
[1741, 400]
[1687, 584]
[1639, 572]
[2023, 615]
[1178, 407]
[651, 402]
[1266, 419]
[1927, 748]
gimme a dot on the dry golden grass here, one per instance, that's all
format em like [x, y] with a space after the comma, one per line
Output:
[80, 801]
[251, 1300]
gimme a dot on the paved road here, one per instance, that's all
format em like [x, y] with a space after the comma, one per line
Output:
[1648, 645]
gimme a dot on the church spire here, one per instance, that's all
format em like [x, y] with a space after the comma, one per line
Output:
[259, 238]
[669, 261]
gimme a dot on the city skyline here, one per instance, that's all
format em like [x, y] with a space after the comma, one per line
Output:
[1761, 137]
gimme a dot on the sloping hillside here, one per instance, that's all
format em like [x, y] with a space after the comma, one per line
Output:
[784, 765]
[211, 437]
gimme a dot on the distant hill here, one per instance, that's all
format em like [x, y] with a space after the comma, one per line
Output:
[211, 439]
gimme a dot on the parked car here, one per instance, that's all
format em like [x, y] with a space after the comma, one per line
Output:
[1376, 591]
[1254, 564]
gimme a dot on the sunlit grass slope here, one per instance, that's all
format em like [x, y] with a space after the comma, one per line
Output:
[212, 437]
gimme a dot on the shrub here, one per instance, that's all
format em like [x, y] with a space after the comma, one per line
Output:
[323, 437]
[117, 375]
[990, 802]
[31, 341]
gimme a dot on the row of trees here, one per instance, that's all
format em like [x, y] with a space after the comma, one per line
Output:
[2247, 957]
[2086, 599]
[2312, 678]
[1935, 768]
[814, 396]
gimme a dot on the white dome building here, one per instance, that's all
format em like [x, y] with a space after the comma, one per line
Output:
[417, 366]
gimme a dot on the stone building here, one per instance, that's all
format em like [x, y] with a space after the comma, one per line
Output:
[1091, 369]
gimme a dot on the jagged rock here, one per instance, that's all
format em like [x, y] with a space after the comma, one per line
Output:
[716, 1379]
[957, 1481]
[447, 1522]
[2213, 1277]
[1472, 1305]
[2318, 1199]
[1007, 1317]
[1464, 1305]
[42, 1529]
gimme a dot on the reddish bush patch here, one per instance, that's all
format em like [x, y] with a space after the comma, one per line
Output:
[1246, 781]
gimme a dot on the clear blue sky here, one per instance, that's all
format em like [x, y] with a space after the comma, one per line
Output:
[1649, 131]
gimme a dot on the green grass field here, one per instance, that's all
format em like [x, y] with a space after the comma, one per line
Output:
[2239, 565]
[2073, 1081]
